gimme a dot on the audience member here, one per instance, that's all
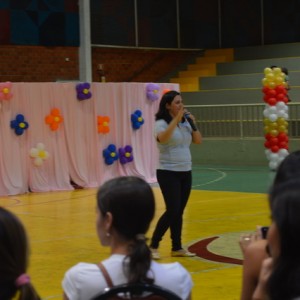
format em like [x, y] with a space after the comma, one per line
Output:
[280, 273]
[253, 246]
[125, 209]
[14, 254]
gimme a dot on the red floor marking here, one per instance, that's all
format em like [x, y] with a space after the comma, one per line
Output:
[200, 248]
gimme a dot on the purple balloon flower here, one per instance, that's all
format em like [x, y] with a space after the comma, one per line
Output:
[152, 91]
[83, 91]
[125, 154]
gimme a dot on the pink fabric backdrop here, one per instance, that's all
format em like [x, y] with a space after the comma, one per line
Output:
[76, 147]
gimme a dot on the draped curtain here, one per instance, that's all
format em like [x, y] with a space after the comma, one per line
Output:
[75, 148]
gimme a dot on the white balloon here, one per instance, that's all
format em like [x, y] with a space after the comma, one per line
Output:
[280, 105]
[281, 114]
[34, 152]
[273, 165]
[38, 161]
[283, 153]
[46, 155]
[266, 113]
[268, 153]
[272, 110]
[274, 157]
[273, 117]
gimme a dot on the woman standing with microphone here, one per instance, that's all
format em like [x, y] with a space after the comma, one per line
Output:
[173, 134]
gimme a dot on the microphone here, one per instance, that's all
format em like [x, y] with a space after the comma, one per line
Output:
[186, 115]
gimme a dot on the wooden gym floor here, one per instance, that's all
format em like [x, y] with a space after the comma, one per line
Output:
[225, 202]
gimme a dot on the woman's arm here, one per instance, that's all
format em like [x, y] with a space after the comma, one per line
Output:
[260, 292]
[196, 134]
[196, 137]
[165, 135]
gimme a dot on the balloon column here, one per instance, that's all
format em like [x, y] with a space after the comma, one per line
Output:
[275, 116]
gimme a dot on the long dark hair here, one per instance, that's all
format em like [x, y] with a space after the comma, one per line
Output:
[162, 112]
[288, 168]
[131, 202]
[285, 208]
[13, 258]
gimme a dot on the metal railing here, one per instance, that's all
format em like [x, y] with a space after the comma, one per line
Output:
[239, 120]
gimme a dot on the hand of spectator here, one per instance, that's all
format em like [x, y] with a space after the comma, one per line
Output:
[246, 239]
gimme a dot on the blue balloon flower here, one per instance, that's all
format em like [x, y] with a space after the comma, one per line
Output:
[110, 154]
[19, 124]
[137, 119]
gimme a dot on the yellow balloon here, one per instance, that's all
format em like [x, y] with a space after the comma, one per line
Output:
[266, 121]
[42, 154]
[267, 71]
[272, 84]
[266, 129]
[273, 125]
[270, 76]
[278, 80]
[274, 132]
[277, 71]
[265, 81]
[281, 121]
[281, 128]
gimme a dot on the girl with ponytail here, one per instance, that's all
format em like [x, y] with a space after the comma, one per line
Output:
[125, 209]
[14, 282]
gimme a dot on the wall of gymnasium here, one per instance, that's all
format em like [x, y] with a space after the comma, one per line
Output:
[39, 38]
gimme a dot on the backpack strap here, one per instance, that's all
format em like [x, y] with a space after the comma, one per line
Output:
[105, 274]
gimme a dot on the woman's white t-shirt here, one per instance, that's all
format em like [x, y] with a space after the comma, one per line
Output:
[85, 280]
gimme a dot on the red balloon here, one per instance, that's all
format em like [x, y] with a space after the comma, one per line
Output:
[267, 144]
[272, 101]
[272, 93]
[282, 145]
[282, 137]
[275, 148]
[265, 89]
[274, 141]
[280, 97]
[280, 89]
[268, 136]
[285, 99]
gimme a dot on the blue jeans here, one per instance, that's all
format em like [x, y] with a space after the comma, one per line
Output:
[176, 188]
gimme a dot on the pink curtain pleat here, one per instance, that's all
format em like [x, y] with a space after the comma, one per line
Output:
[75, 149]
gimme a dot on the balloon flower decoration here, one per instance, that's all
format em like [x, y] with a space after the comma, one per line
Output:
[19, 124]
[275, 116]
[152, 91]
[54, 119]
[137, 119]
[5, 90]
[125, 154]
[110, 154]
[39, 154]
[103, 124]
[83, 91]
